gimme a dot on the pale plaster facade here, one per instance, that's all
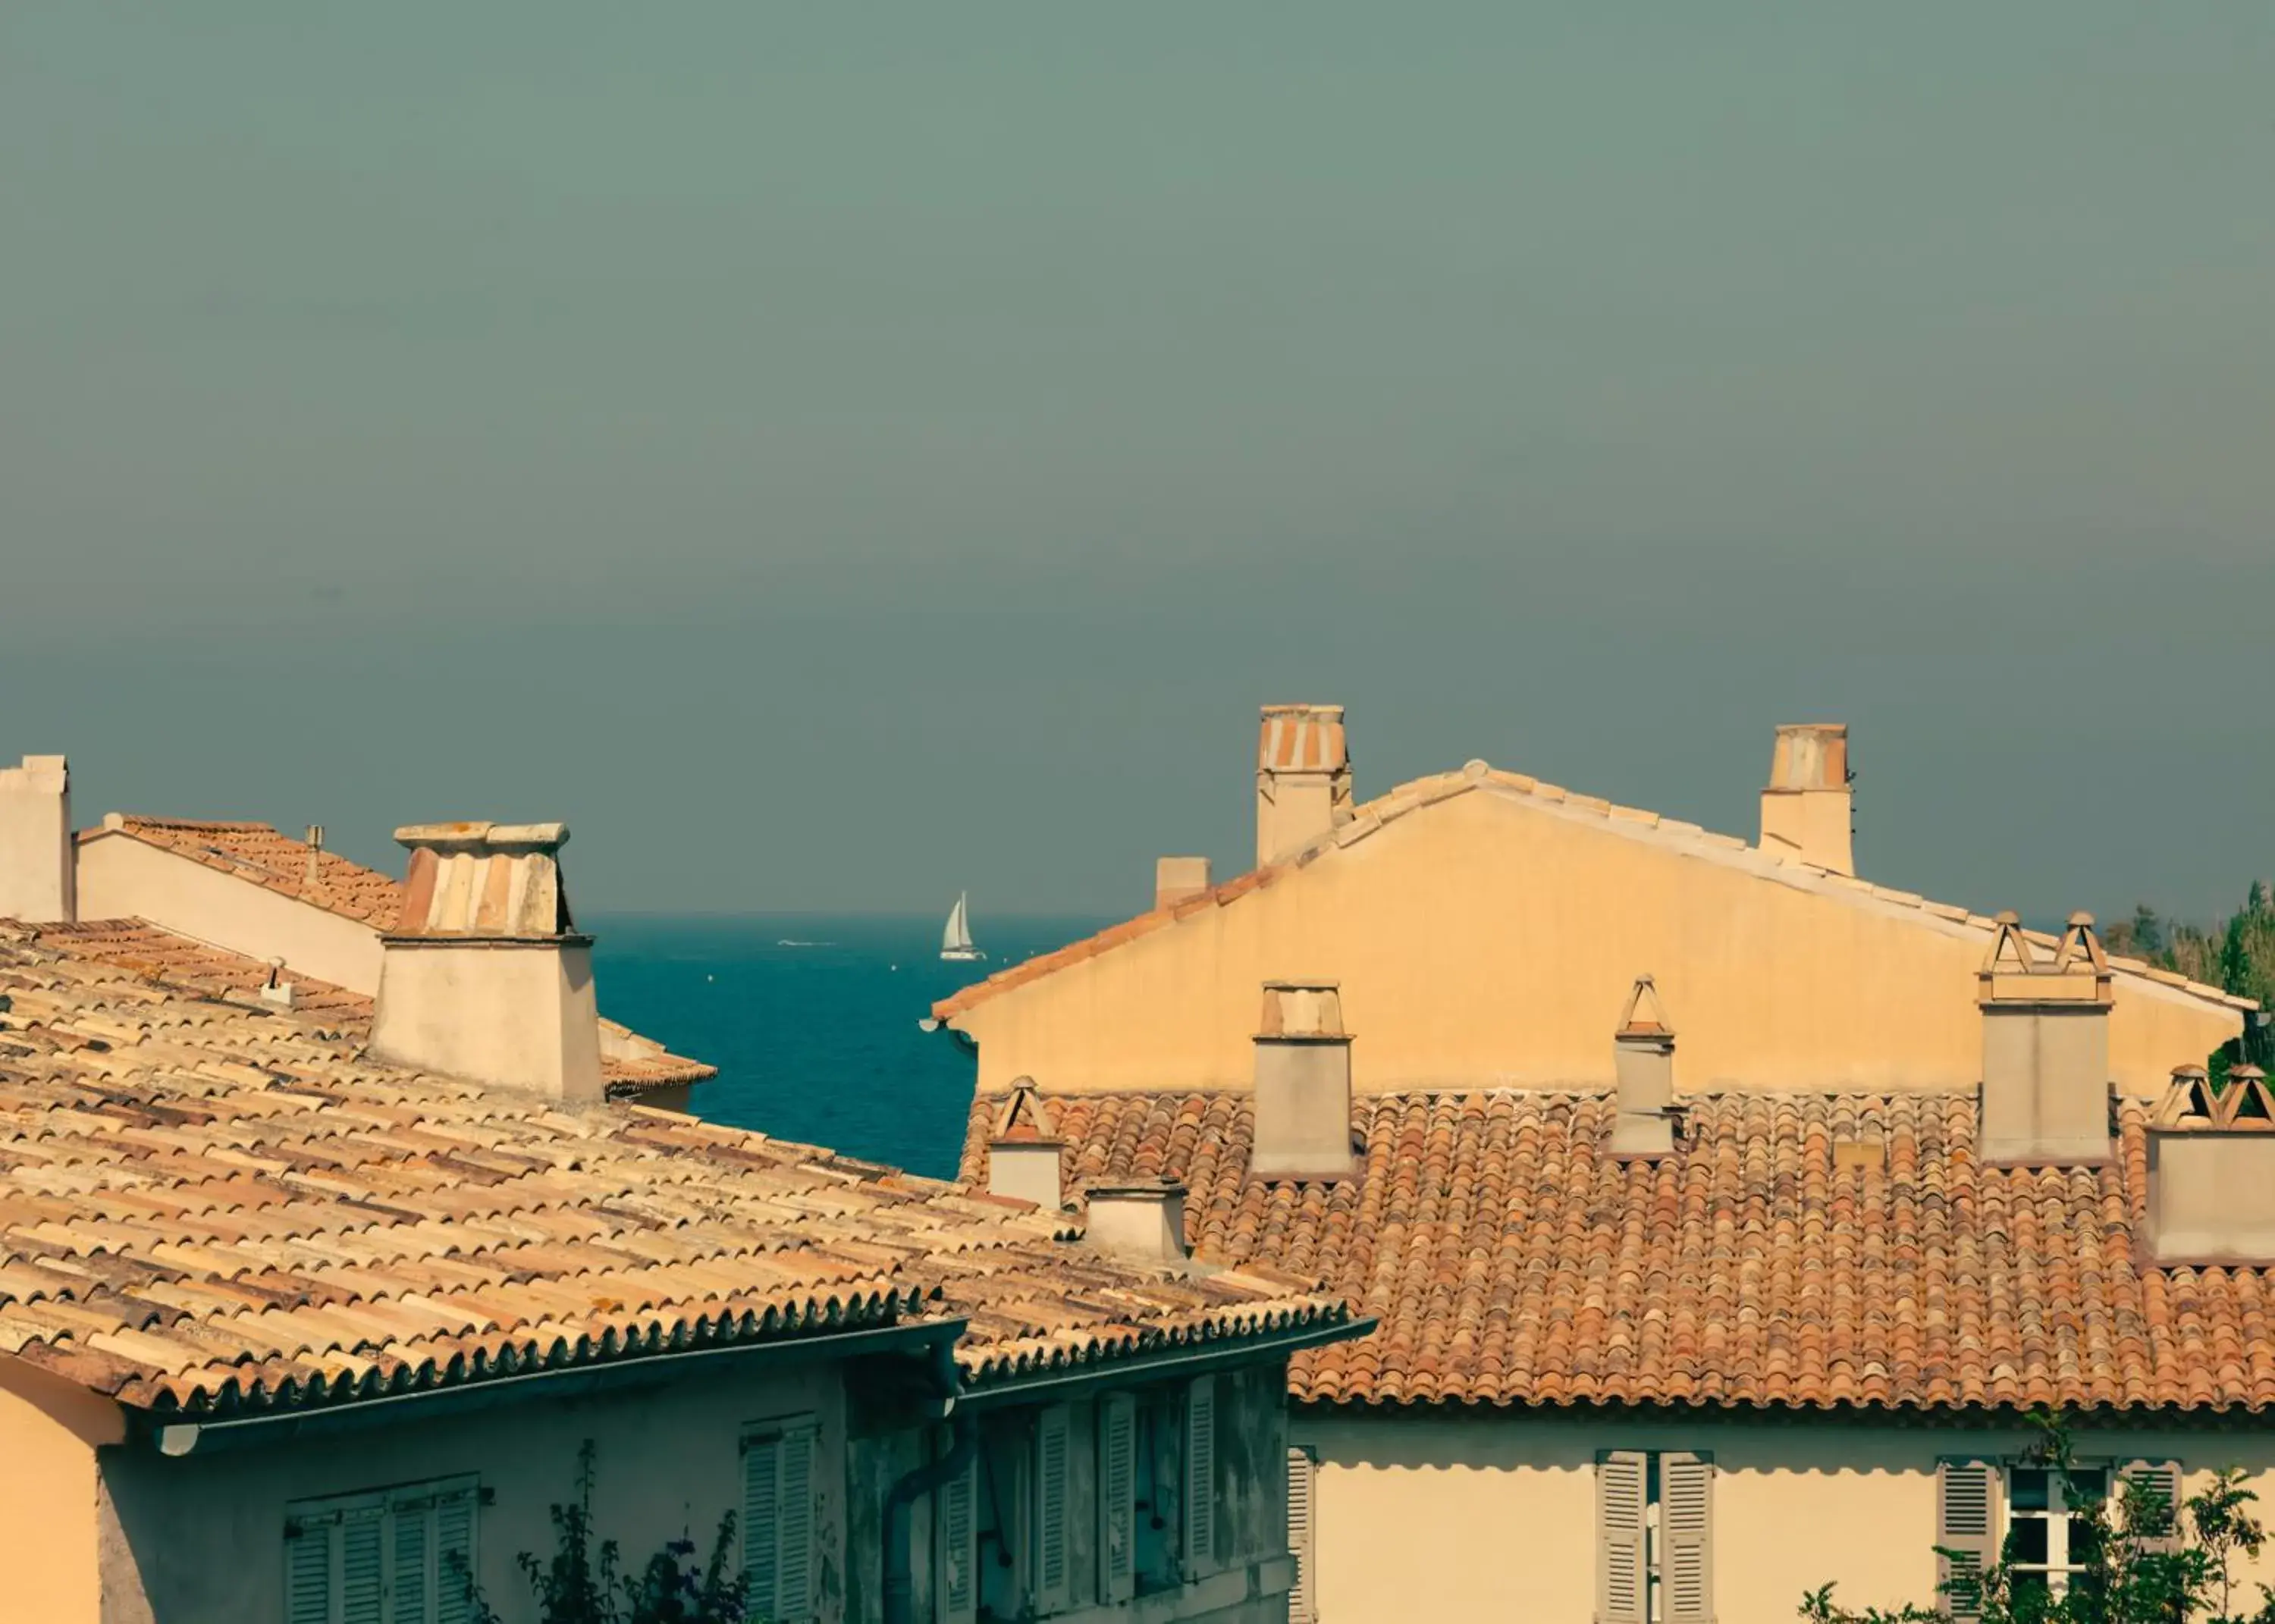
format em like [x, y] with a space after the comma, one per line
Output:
[1489, 939]
[1491, 1514]
[123, 878]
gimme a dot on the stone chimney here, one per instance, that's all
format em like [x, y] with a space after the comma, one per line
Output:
[1303, 1088]
[1142, 1220]
[1177, 879]
[2212, 1172]
[1023, 1151]
[485, 976]
[2046, 1049]
[1643, 1056]
[1302, 778]
[315, 855]
[38, 867]
[1807, 812]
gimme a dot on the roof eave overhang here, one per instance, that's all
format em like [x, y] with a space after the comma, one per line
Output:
[1156, 1365]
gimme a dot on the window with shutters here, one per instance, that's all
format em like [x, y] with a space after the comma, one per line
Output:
[393, 1556]
[2038, 1520]
[1302, 1481]
[1654, 1537]
[778, 1517]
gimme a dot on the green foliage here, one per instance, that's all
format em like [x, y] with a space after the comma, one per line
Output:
[584, 1582]
[2137, 1572]
[2237, 955]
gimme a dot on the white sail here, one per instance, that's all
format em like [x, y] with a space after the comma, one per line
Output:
[957, 937]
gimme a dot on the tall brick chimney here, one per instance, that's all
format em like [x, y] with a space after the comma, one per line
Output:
[1808, 811]
[1302, 778]
[485, 976]
[38, 867]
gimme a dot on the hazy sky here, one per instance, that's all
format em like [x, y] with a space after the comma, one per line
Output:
[838, 454]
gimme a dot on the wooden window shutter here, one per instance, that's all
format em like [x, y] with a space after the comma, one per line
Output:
[1302, 1473]
[1200, 1477]
[794, 1546]
[454, 1555]
[1117, 1497]
[1622, 1491]
[761, 1519]
[956, 1541]
[1967, 1495]
[1054, 1446]
[309, 1551]
[414, 1544]
[1686, 1526]
[363, 1565]
[2156, 1487]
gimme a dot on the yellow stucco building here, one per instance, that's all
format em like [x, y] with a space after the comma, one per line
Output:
[1723, 1211]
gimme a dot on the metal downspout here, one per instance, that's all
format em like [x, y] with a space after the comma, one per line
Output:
[900, 1581]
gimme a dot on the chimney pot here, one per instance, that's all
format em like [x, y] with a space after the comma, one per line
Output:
[1643, 1055]
[1302, 1084]
[1140, 1221]
[2046, 1049]
[1808, 809]
[1024, 1149]
[38, 864]
[1177, 879]
[2212, 1172]
[485, 976]
[1302, 778]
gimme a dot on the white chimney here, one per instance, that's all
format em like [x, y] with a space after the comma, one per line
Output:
[1178, 878]
[38, 881]
[1302, 1084]
[2212, 1173]
[2046, 1049]
[1143, 1221]
[1807, 811]
[485, 976]
[1643, 1057]
[1302, 778]
[1024, 1149]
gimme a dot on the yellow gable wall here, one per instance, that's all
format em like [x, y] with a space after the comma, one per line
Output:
[48, 1433]
[1489, 940]
[1494, 1515]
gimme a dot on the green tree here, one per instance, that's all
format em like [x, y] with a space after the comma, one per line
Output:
[2150, 1562]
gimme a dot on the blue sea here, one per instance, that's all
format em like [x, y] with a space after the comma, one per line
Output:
[812, 1020]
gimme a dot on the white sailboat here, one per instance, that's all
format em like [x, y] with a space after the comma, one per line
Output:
[955, 940]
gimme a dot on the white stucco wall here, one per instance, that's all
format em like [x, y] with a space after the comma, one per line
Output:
[1490, 1515]
[202, 1536]
[121, 878]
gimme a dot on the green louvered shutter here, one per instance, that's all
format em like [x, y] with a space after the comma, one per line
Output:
[308, 1568]
[1200, 1477]
[1054, 1452]
[412, 1582]
[1622, 1493]
[363, 1565]
[955, 1537]
[1117, 1497]
[762, 1524]
[1686, 1522]
[1966, 1531]
[794, 1585]
[454, 1555]
[1303, 1474]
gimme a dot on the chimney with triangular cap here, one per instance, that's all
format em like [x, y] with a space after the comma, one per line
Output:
[1643, 1057]
[1024, 1149]
[1302, 1084]
[2212, 1172]
[2045, 1048]
[485, 975]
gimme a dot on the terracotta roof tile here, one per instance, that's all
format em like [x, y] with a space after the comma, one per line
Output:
[275, 861]
[221, 1206]
[1799, 1250]
[1368, 817]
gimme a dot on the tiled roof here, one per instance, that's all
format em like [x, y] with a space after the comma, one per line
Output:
[210, 1208]
[637, 1066]
[1476, 778]
[258, 853]
[1802, 1250]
